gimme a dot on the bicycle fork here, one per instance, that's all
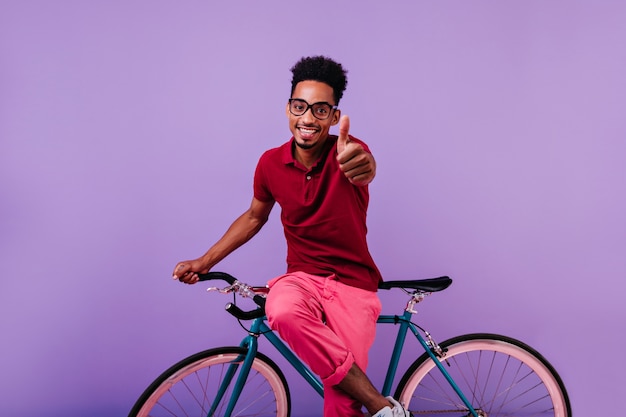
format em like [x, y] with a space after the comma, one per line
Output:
[250, 343]
[243, 363]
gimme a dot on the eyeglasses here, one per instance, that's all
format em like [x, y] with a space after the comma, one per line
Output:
[320, 111]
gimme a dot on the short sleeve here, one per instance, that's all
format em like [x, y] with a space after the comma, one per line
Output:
[261, 187]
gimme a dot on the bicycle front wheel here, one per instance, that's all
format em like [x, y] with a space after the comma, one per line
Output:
[190, 388]
[500, 376]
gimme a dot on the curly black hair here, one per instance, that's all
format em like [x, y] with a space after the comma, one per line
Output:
[323, 69]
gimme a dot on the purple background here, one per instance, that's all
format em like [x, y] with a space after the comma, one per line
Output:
[129, 132]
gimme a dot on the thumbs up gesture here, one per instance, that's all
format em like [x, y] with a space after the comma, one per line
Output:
[356, 163]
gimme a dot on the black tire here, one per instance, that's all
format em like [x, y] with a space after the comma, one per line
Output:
[189, 387]
[499, 375]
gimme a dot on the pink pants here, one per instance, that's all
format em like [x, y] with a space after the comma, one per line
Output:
[329, 325]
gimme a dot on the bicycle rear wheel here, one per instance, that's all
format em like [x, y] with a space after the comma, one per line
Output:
[500, 376]
[189, 388]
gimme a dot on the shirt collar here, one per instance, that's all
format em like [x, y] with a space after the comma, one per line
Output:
[287, 155]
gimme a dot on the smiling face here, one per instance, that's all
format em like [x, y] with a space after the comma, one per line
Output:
[309, 132]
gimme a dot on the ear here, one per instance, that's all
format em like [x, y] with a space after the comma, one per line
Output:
[287, 112]
[336, 117]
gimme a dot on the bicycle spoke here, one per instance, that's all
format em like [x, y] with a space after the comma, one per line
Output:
[190, 389]
[498, 378]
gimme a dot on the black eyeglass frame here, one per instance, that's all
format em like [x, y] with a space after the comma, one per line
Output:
[311, 106]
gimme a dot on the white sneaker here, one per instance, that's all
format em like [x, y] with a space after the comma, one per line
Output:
[384, 412]
[396, 411]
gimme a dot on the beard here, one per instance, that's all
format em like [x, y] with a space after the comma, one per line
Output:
[304, 145]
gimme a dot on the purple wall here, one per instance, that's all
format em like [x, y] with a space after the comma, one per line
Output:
[124, 147]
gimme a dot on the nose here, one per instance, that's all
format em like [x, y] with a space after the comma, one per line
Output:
[308, 117]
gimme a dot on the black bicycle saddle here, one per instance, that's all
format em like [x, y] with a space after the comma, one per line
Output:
[428, 285]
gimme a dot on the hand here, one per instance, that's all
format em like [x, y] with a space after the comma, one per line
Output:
[356, 163]
[187, 271]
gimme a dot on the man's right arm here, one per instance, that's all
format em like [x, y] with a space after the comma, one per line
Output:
[242, 230]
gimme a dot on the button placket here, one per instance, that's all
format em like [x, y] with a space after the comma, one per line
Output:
[307, 186]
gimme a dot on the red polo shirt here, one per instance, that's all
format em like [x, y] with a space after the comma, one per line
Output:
[323, 214]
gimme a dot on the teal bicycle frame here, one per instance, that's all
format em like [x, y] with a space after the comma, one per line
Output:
[259, 327]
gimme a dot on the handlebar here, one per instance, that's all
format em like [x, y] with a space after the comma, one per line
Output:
[417, 289]
[242, 289]
[218, 275]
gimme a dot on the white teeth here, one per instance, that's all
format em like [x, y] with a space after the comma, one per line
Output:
[307, 130]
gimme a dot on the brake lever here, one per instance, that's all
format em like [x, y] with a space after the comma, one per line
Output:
[226, 290]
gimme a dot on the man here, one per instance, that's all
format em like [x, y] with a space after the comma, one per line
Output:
[325, 306]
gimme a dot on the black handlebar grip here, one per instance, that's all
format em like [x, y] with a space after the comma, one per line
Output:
[244, 315]
[259, 300]
[217, 275]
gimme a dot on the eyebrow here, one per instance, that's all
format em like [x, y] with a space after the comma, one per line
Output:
[317, 102]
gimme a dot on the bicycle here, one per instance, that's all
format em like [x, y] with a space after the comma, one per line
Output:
[479, 375]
